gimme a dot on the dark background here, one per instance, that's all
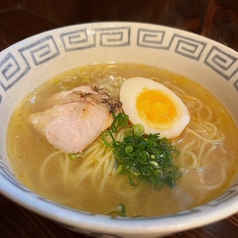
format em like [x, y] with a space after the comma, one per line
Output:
[216, 19]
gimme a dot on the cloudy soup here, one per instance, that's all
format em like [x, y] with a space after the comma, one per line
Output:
[123, 140]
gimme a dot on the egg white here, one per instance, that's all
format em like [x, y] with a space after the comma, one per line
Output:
[129, 92]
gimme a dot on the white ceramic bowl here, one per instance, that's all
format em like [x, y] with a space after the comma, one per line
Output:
[30, 62]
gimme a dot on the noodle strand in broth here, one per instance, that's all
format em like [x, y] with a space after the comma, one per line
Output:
[94, 182]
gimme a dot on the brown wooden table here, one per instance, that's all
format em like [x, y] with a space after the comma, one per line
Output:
[216, 19]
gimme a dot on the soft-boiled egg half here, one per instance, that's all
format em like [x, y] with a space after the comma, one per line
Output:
[154, 106]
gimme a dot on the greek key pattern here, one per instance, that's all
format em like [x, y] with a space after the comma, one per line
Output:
[221, 62]
[107, 37]
[14, 67]
[77, 40]
[184, 46]
[114, 37]
[236, 84]
[15, 64]
[187, 47]
[12, 70]
[151, 39]
[40, 52]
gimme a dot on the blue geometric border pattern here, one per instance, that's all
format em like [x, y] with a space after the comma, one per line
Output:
[151, 39]
[12, 68]
[114, 37]
[41, 51]
[108, 37]
[236, 84]
[184, 46]
[188, 47]
[12, 71]
[77, 40]
[221, 62]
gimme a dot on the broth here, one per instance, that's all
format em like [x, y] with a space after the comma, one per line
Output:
[208, 165]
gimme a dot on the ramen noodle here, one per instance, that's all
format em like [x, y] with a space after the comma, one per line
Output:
[207, 147]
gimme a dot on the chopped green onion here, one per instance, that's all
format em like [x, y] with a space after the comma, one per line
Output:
[128, 149]
[121, 211]
[75, 156]
[143, 157]
[107, 138]
[139, 129]
[154, 163]
[134, 171]
[121, 120]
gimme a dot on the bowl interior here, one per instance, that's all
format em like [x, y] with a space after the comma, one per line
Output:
[31, 62]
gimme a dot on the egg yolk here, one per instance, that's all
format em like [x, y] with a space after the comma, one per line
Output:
[156, 108]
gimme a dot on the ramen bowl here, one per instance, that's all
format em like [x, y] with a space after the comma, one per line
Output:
[31, 62]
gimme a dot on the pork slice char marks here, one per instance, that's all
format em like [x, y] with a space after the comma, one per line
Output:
[77, 119]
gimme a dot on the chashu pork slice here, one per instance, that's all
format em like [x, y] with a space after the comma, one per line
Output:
[77, 119]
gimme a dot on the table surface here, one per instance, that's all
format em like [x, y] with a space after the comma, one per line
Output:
[17, 221]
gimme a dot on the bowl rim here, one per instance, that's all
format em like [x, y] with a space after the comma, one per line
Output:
[75, 218]
[70, 217]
